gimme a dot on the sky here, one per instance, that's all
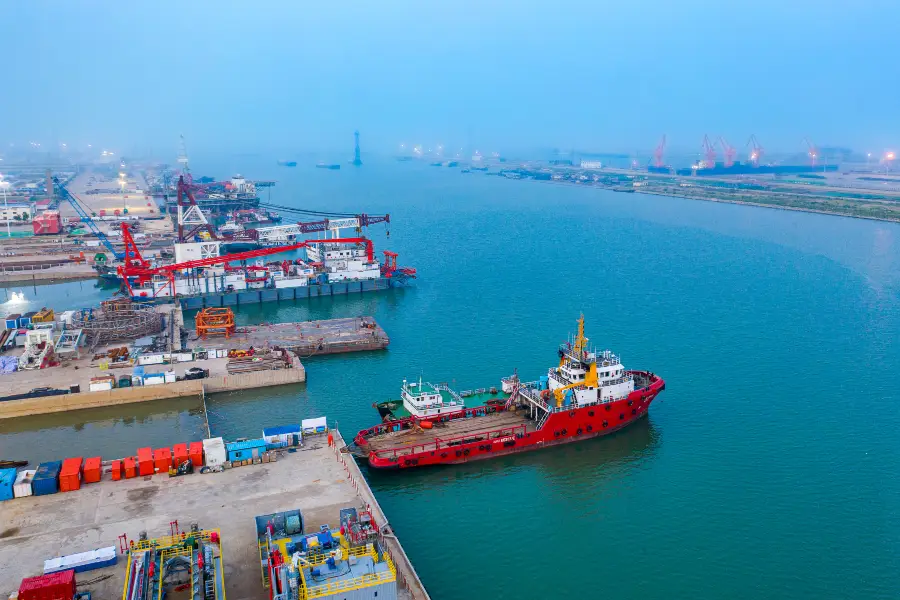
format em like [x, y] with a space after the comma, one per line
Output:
[490, 74]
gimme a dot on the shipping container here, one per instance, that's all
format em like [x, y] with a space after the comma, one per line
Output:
[129, 465]
[117, 470]
[196, 453]
[83, 561]
[22, 486]
[317, 425]
[245, 450]
[92, 469]
[25, 320]
[46, 480]
[150, 359]
[54, 586]
[12, 321]
[145, 461]
[7, 480]
[162, 459]
[214, 452]
[283, 434]
[70, 474]
[179, 454]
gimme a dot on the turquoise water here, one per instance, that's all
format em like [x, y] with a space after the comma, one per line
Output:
[768, 467]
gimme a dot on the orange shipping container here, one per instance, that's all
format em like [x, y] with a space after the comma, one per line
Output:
[131, 468]
[70, 475]
[162, 459]
[145, 461]
[92, 470]
[196, 453]
[116, 470]
[180, 453]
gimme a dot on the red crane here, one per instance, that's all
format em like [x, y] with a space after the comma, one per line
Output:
[729, 151]
[709, 151]
[658, 153]
[756, 150]
[190, 217]
[812, 151]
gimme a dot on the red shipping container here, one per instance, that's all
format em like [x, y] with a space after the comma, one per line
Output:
[145, 461]
[196, 454]
[55, 586]
[70, 475]
[180, 453]
[131, 469]
[116, 470]
[92, 469]
[162, 459]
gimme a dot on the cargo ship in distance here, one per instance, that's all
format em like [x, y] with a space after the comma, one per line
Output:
[589, 394]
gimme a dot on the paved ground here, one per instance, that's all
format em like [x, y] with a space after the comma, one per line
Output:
[36, 528]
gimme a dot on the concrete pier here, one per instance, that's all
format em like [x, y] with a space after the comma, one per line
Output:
[308, 338]
[315, 480]
[180, 389]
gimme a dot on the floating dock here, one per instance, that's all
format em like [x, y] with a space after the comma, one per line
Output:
[309, 338]
[294, 293]
[318, 480]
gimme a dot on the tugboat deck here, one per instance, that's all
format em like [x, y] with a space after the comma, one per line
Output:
[443, 435]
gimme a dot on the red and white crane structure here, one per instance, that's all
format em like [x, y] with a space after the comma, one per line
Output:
[659, 152]
[709, 152]
[756, 150]
[728, 150]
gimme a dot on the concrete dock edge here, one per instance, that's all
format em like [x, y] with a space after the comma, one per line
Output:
[405, 571]
[180, 389]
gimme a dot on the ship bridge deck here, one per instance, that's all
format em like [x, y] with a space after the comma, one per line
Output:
[451, 433]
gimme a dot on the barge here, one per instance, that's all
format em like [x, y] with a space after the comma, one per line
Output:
[589, 394]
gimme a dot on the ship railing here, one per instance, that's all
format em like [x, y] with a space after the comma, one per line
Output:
[443, 387]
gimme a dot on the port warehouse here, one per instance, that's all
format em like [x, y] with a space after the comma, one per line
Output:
[74, 506]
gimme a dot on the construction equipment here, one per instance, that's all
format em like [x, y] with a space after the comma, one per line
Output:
[82, 212]
[658, 153]
[215, 321]
[191, 220]
[728, 150]
[756, 150]
[390, 269]
[812, 152]
[709, 151]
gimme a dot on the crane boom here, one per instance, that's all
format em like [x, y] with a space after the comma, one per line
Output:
[729, 151]
[709, 151]
[86, 218]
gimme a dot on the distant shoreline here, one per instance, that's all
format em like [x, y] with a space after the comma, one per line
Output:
[731, 201]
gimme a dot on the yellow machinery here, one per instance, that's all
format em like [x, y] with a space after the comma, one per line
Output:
[579, 349]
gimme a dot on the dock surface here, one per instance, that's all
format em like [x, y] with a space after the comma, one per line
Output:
[307, 338]
[314, 480]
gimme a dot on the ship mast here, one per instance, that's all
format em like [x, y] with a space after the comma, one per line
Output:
[580, 340]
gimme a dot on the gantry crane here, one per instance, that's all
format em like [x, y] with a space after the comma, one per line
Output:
[728, 150]
[756, 150]
[658, 152]
[82, 212]
[812, 151]
[709, 151]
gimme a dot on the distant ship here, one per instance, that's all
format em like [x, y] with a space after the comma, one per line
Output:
[332, 166]
[287, 163]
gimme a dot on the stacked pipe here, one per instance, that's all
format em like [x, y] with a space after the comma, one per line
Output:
[260, 361]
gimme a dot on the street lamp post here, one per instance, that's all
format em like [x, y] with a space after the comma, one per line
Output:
[4, 185]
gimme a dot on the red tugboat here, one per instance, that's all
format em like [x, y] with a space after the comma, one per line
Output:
[588, 395]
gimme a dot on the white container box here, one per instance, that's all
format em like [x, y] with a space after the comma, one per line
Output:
[102, 386]
[214, 452]
[150, 359]
[22, 486]
[156, 380]
[170, 377]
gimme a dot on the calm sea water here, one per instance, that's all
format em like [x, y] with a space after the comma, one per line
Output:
[768, 467]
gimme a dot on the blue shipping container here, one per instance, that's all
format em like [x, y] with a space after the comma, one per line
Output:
[12, 321]
[281, 430]
[245, 450]
[7, 479]
[46, 480]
